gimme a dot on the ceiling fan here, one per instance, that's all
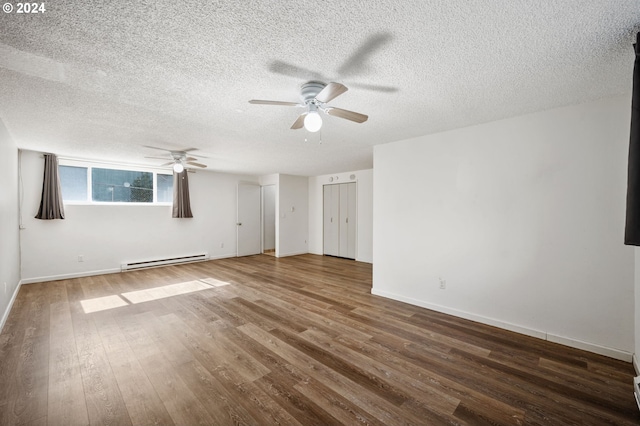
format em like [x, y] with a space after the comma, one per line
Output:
[179, 158]
[315, 95]
[357, 64]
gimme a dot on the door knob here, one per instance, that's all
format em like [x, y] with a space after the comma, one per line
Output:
[239, 223]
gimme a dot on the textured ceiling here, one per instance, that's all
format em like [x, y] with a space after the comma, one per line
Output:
[99, 81]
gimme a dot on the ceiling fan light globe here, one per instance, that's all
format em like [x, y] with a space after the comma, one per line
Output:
[178, 168]
[313, 121]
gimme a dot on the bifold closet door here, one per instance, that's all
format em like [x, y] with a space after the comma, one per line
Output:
[352, 220]
[339, 218]
[347, 245]
[331, 218]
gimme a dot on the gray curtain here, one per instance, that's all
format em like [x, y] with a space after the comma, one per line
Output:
[51, 206]
[632, 226]
[181, 201]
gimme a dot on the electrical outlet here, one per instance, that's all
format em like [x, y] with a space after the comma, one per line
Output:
[221, 245]
[80, 258]
[443, 284]
[5, 288]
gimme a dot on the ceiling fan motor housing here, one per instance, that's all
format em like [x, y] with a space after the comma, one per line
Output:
[310, 90]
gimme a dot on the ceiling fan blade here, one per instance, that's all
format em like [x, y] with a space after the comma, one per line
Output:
[349, 115]
[260, 102]
[193, 163]
[299, 123]
[375, 87]
[199, 156]
[158, 158]
[330, 92]
[291, 70]
[167, 164]
[155, 147]
[359, 62]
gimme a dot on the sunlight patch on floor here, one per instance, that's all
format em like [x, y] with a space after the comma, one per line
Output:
[98, 304]
[102, 303]
[170, 290]
[214, 282]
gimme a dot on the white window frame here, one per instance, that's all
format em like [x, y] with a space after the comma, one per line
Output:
[114, 166]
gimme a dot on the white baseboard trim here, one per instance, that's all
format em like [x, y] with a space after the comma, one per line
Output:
[69, 276]
[222, 256]
[102, 272]
[5, 316]
[590, 347]
[636, 366]
[294, 253]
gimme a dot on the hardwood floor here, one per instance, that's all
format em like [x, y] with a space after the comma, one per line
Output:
[299, 340]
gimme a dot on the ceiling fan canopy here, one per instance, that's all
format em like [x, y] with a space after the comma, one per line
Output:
[315, 96]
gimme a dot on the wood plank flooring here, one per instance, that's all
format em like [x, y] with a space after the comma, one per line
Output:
[293, 341]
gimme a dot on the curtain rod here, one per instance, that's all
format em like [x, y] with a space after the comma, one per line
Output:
[107, 162]
[110, 163]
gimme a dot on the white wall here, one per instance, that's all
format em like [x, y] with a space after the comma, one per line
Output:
[272, 179]
[109, 235]
[292, 231]
[269, 217]
[9, 223]
[524, 220]
[364, 232]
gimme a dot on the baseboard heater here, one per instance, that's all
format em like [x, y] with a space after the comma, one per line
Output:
[131, 266]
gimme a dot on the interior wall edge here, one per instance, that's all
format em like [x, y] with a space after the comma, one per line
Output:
[5, 316]
[538, 334]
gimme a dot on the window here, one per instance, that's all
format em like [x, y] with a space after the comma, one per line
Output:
[109, 185]
[123, 186]
[73, 182]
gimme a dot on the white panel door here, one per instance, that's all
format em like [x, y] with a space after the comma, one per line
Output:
[248, 219]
